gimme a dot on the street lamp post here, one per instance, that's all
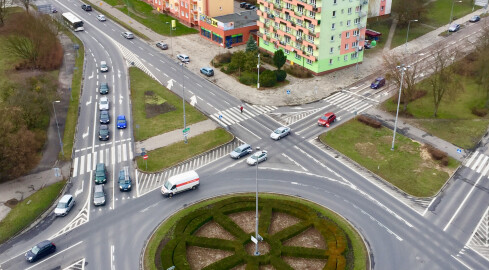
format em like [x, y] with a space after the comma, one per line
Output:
[171, 38]
[451, 14]
[183, 101]
[257, 253]
[407, 35]
[57, 125]
[258, 67]
[402, 68]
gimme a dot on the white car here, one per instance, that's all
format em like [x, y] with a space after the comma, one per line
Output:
[104, 104]
[257, 157]
[280, 133]
[103, 66]
[184, 58]
[128, 35]
[101, 18]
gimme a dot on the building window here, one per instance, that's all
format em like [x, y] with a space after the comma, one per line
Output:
[334, 13]
[287, 29]
[312, 2]
[287, 39]
[312, 14]
[330, 61]
[186, 5]
[348, 22]
[286, 51]
[331, 50]
[205, 33]
[298, 22]
[355, 33]
[182, 4]
[309, 49]
[310, 38]
[347, 34]
[266, 42]
[183, 14]
[276, 35]
[300, 9]
[277, 2]
[186, 15]
[332, 38]
[288, 5]
[234, 39]
[311, 26]
[297, 56]
[349, 10]
[309, 61]
[200, 10]
[345, 58]
[216, 38]
[277, 25]
[332, 26]
[346, 46]
[334, 2]
[382, 8]
[357, 20]
[354, 44]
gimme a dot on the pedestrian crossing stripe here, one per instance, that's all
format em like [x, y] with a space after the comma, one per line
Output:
[234, 115]
[349, 102]
[478, 162]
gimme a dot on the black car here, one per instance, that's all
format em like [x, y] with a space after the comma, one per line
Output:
[40, 250]
[104, 88]
[104, 117]
[86, 7]
[242, 4]
[247, 6]
[104, 133]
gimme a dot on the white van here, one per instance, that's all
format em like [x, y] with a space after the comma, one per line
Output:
[180, 182]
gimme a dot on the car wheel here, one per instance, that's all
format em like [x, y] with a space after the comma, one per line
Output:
[279, 137]
[288, 133]
[238, 157]
[264, 159]
[170, 195]
[193, 188]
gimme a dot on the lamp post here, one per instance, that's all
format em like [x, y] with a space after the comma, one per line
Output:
[171, 38]
[257, 253]
[451, 14]
[407, 35]
[183, 101]
[258, 67]
[402, 68]
[57, 125]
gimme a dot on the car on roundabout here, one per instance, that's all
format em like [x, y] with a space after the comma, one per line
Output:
[40, 250]
[279, 133]
[257, 157]
[326, 119]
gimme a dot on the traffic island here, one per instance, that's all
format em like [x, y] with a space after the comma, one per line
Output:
[217, 234]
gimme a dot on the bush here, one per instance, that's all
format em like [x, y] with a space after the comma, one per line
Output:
[437, 154]
[222, 58]
[481, 112]
[268, 78]
[225, 70]
[298, 71]
[281, 75]
[417, 94]
[369, 121]
[267, 58]
[248, 78]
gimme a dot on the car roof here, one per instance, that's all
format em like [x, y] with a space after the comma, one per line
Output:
[121, 117]
[244, 146]
[104, 113]
[43, 243]
[183, 55]
[328, 114]
[104, 98]
[103, 62]
[99, 188]
[65, 198]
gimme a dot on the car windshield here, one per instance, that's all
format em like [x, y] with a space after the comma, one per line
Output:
[98, 194]
[238, 150]
[35, 249]
[167, 185]
[324, 118]
[103, 102]
[256, 155]
[278, 131]
[61, 205]
[121, 121]
[100, 173]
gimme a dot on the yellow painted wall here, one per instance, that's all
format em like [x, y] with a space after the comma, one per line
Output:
[219, 7]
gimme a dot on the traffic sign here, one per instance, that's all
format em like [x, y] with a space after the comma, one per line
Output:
[145, 157]
[288, 92]
[186, 130]
[459, 150]
[220, 116]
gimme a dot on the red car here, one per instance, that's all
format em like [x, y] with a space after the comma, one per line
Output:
[328, 118]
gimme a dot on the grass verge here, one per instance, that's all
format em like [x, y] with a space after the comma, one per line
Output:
[161, 123]
[72, 115]
[170, 155]
[409, 167]
[359, 249]
[28, 210]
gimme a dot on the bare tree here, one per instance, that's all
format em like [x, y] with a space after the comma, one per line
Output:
[3, 11]
[443, 81]
[22, 47]
[408, 10]
[25, 3]
[409, 90]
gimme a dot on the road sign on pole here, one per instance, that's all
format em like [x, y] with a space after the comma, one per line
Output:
[288, 92]
[186, 130]
[145, 156]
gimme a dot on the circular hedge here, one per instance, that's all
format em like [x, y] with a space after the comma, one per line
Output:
[344, 248]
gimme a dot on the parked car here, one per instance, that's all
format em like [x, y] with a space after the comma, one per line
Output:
[162, 45]
[379, 82]
[257, 157]
[103, 66]
[104, 133]
[327, 119]
[247, 6]
[121, 121]
[367, 44]
[101, 18]
[64, 205]
[124, 179]
[241, 151]
[103, 88]
[184, 58]
[104, 117]
[280, 132]
[98, 195]
[104, 103]
[252, 7]
[207, 71]
[54, 10]
[128, 35]
[100, 174]
[454, 27]
[475, 18]
[40, 250]
[86, 7]
[242, 4]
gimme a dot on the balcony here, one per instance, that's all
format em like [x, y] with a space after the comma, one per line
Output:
[260, 24]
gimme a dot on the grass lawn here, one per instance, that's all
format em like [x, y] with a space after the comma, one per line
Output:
[438, 12]
[381, 25]
[72, 115]
[162, 123]
[23, 214]
[408, 167]
[399, 37]
[144, 13]
[455, 122]
[170, 155]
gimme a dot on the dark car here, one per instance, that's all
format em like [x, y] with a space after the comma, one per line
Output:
[104, 88]
[242, 4]
[124, 179]
[475, 18]
[86, 7]
[100, 174]
[327, 119]
[379, 82]
[207, 71]
[40, 250]
[241, 150]
[121, 121]
[104, 117]
[162, 45]
[104, 133]
[252, 7]
[454, 27]
[247, 6]
[367, 44]
[98, 195]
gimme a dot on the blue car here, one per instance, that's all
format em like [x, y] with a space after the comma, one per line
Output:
[121, 121]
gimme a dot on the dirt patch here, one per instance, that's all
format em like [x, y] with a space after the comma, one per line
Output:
[214, 230]
[310, 238]
[305, 264]
[369, 150]
[199, 257]
[262, 267]
[430, 163]
[11, 203]
[245, 220]
[155, 105]
[281, 221]
[263, 248]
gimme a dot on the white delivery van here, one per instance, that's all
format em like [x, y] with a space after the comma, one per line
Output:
[181, 182]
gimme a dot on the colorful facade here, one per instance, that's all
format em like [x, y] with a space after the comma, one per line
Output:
[229, 30]
[379, 7]
[321, 35]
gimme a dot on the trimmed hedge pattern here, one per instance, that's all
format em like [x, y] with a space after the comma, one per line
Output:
[183, 235]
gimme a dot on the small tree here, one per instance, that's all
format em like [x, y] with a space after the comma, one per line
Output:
[3, 11]
[238, 61]
[250, 45]
[279, 59]
[25, 3]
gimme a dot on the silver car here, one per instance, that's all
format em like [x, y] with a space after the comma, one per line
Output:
[101, 18]
[280, 132]
[64, 205]
[104, 104]
[128, 35]
[257, 157]
[184, 58]
[241, 150]
[98, 195]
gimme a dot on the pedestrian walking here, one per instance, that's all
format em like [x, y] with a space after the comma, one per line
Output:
[241, 109]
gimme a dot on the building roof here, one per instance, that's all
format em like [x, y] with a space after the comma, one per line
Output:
[240, 19]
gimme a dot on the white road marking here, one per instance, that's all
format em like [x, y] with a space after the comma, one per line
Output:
[476, 153]
[461, 262]
[259, 138]
[295, 162]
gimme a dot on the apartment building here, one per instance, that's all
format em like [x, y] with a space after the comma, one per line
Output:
[379, 7]
[320, 35]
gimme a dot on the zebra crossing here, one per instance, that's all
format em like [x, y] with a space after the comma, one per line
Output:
[116, 153]
[291, 118]
[351, 102]
[151, 181]
[479, 240]
[233, 115]
[477, 162]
